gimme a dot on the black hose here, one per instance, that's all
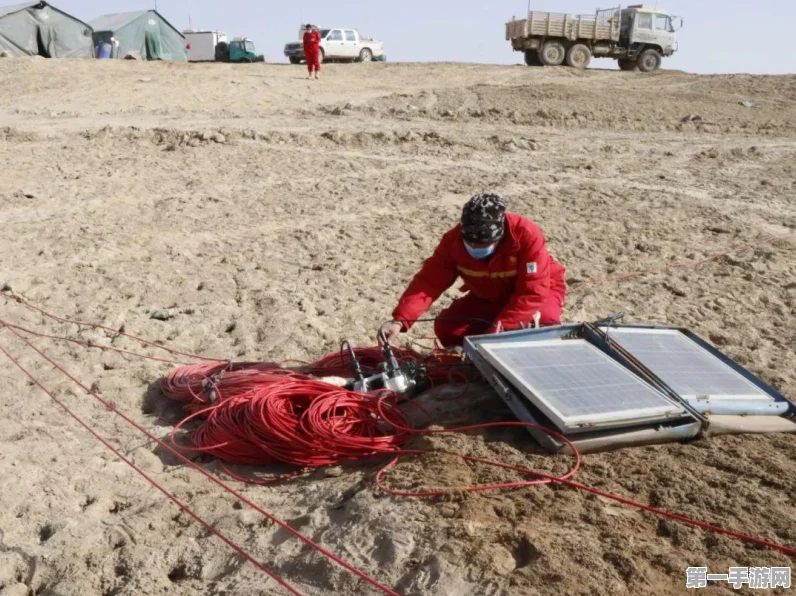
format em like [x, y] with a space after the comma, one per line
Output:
[358, 374]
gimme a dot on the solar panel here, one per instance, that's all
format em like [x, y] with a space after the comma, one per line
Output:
[577, 386]
[690, 370]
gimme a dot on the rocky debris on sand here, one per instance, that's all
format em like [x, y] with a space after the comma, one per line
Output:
[14, 589]
[164, 314]
[408, 136]
[692, 118]
[177, 138]
[333, 135]
[514, 145]
[525, 145]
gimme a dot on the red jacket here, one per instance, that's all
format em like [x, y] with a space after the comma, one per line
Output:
[520, 275]
[312, 42]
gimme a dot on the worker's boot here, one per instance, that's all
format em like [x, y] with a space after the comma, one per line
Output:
[317, 75]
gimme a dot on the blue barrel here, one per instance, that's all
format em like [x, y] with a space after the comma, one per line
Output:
[104, 51]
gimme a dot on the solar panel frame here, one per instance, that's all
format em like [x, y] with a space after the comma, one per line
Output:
[756, 394]
[659, 408]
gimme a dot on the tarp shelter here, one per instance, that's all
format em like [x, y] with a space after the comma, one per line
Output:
[143, 35]
[38, 29]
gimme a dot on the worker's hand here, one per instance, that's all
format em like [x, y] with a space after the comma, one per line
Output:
[389, 331]
[497, 327]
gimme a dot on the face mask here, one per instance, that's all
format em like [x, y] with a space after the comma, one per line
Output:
[480, 253]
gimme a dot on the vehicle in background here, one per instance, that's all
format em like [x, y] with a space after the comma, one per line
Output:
[212, 46]
[638, 36]
[202, 45]
[339, 45]
[239, 50]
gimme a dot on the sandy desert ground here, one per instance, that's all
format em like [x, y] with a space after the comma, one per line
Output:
[276, 216]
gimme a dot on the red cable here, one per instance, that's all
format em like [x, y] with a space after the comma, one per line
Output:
[294, 420]
[152, 481]
[209, 476]
[88, 344]
[30, 306]
[577, 486]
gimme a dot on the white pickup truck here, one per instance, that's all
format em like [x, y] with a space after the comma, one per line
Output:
[343, 45]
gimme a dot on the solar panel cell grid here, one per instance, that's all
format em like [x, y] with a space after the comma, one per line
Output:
[683, 365]
[577, 384]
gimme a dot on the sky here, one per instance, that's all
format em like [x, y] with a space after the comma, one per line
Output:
[719, 36]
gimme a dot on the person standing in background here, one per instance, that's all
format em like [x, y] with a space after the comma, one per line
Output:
[312, 51]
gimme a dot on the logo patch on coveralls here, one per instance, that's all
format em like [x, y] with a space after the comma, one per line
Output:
[532, 268]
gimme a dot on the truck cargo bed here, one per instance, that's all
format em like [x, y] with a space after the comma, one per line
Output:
[603, 25]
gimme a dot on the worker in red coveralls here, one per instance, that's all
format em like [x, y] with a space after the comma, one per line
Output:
[510, 279]
[312, 51]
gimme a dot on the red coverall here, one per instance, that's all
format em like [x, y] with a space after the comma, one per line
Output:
[515, 283]
[312, 50]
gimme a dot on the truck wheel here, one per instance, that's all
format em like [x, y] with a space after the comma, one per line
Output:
[579, 56]
[222, 52]
[532, 58]
[295, 60]
[366, 55]
[650, 61]
[553, 53]
[628, 65]
[322, 55]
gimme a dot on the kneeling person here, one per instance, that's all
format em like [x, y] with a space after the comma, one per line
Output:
[510, 278]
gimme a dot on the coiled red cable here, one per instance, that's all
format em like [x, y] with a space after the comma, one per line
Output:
[261, 414]
[256, 416]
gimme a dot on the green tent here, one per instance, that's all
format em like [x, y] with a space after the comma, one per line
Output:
[143, 35]
[38, 29]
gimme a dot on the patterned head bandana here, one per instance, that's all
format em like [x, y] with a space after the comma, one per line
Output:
[484, 219]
